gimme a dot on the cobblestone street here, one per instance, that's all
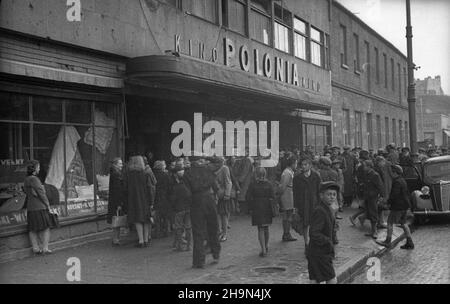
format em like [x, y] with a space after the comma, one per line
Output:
[428, 263]
[240, 263]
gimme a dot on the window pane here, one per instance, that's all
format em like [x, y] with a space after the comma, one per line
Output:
[14, 154]
[316, 35]
[13, 106]
[300, 26]
[48, 147]
[300, 46]
[260, 27]
[263, 5]
[281, 37]
[47, 109]
[78, 112]
[202, 8]
[236, 16]
[316, 57]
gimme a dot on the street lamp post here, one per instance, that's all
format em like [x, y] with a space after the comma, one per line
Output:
[411, 83]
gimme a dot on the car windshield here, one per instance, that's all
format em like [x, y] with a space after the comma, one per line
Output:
[437, 172]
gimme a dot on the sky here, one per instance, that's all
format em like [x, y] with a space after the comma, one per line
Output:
[430, 20]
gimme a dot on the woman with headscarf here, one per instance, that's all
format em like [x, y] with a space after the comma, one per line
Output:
[260, 196]
[138, 195]
[116, 197]
[38, 208]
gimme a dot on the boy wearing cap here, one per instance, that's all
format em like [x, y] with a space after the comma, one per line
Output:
[321, 252]
[399, 205]
[180, 198]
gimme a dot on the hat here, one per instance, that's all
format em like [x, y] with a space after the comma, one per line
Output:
[178, 167]
[346, 147]
[325, 161]
[336, 148]
[397, 169]
[159, 165]
[336, 161]
[328, 185]
[405, 149]
[364, 154]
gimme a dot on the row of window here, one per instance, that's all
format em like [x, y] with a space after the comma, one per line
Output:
[395, 72]
[266, 22]
[374, 139]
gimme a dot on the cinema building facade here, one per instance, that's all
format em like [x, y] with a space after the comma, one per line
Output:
[75, 94]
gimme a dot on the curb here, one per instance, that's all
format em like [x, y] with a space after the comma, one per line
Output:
[349, 270]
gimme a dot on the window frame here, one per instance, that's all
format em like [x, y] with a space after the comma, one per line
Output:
[347, 126]
[385, 71]
[358, 129]
[304, 35]
[377, 65]
[357, 57]
[252, 8]
[321, 46]
[343, 40]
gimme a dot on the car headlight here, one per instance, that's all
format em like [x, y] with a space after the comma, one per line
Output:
[425, 190]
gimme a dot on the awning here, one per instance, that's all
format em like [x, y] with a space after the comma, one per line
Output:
[192, 76]
[447, 132]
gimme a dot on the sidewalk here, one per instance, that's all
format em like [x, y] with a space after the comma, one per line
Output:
[240, 263]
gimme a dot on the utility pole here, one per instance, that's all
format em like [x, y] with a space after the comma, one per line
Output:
[411, 83]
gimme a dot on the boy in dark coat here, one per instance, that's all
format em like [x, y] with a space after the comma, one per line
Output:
[399, 205]
[180, 198]
[322, 234]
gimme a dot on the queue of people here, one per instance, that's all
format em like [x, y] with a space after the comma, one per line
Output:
[195, 196]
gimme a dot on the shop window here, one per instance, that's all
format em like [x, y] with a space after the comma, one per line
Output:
[346, 130]
[47, 109]
[386, 129]
[358, 129]
[316, 136]
[379, 144]
[206, 9]
[300, 38]
[235, 15]
[317, 47]
[75, 157]
[13, 106]
[260, 21]
[78, 112]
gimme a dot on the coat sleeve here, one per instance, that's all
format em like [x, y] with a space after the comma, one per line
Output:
[37, 186]
[228, 183]
[378, 184]
[317, 225]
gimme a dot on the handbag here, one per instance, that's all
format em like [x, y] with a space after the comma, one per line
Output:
[54, 220]
[118, 220]
[275, 207]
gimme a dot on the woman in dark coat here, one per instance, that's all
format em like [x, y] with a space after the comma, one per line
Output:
[116, 197]
[260, 196]
[305, 187]
[38, 208]
[138, 196]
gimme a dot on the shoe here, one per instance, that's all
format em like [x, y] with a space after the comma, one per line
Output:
[352, 220]
[198, 266]
[407, 245]
[263, 254]
[37, 252]
[375, 235]
[382, 226]
[223, 238]
[288, 238]
[385, 243]
[115, 244]
[48, 251]
[338, 217]
[336, 241]
[361, 222]
[140, 245]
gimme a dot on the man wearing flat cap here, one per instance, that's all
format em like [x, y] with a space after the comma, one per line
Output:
[201, 181]
[320, 253]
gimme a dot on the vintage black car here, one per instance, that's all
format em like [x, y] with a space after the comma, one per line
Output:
[429, 185]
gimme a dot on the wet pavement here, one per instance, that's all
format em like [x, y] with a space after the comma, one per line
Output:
[239, 263]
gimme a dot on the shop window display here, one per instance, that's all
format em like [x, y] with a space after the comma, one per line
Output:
[13, 107]
[74, 154]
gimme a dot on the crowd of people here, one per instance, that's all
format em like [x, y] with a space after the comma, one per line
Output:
[193, 198]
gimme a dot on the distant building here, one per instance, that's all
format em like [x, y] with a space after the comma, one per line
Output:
[433, 119]
[429, 86]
